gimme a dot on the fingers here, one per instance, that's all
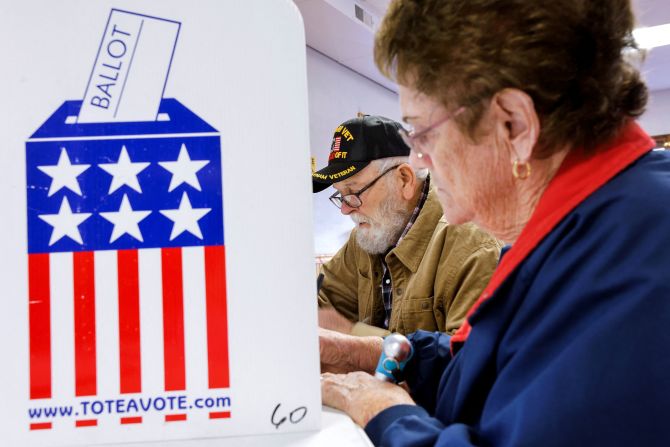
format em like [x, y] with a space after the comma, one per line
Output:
[333, 394]
[339, 390]
[360, 395]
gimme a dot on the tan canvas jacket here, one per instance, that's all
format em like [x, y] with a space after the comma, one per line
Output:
[437, 271]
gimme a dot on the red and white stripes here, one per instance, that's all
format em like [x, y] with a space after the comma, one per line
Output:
[111, 323]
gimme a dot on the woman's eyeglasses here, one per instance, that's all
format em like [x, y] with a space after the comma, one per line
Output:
[418, 141]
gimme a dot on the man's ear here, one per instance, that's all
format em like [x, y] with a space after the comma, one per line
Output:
[517, 119]
[408, 181]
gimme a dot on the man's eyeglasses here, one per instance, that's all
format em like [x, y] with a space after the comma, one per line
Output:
[418, 141]
[353, 200]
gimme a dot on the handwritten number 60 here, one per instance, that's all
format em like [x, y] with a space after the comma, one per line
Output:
[294, 416]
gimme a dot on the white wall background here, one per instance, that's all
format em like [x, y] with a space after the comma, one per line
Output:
[656, 120]
[336, 94]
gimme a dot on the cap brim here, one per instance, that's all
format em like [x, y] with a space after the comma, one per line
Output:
[334, 173]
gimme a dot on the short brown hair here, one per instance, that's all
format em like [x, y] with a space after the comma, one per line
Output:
[566, 54]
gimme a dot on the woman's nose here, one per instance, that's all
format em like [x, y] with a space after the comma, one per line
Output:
[419, 160]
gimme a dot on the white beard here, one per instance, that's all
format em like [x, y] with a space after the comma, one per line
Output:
[385, 228]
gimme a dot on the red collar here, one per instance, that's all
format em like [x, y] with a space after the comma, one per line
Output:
[577, 178]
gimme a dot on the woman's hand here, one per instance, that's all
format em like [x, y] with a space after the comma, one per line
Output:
[342, 353]
[361, 395]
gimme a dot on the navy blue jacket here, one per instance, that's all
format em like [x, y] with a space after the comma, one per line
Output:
[572, 348]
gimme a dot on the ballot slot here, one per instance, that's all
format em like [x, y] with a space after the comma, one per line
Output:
[72, 119]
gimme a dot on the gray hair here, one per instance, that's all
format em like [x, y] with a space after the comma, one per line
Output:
[383, 164]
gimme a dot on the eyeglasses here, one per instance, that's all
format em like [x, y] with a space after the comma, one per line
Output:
[418, 142]
[353, 200]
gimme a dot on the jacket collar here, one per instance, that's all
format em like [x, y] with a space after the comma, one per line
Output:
[412, 247]
[578, 177]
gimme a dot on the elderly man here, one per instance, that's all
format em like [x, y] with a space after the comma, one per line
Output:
[404, 266]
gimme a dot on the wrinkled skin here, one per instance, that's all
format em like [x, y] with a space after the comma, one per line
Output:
[347, 383]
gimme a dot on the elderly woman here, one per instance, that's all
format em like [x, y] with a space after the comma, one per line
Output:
[524, 112]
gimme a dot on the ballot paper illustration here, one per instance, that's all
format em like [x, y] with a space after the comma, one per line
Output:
[130, 70]
[126, 250]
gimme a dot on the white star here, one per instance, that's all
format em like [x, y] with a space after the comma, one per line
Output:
[124, 172]
[65, 223]
[125, 221]
[185, 218]
[184, 170]
[63, 174]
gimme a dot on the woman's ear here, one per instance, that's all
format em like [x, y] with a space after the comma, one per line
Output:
[519, 121]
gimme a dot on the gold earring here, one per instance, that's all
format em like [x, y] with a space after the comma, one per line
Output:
[525, 169]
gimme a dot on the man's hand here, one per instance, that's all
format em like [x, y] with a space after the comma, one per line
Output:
[331, 319]
[345, 353]
[361, 395]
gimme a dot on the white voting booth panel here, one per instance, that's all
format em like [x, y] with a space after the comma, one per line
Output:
[157, 249]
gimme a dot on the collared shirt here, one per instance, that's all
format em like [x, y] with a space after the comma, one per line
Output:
[438, 271]
[387, 285]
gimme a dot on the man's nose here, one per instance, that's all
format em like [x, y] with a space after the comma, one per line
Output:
[346, 209]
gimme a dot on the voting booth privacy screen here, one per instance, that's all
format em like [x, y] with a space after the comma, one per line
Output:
[156, 240]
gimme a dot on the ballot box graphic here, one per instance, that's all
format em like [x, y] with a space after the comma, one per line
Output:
[127, 306]
[138, 311]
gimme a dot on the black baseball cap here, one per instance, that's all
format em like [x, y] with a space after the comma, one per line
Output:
[355, 144]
